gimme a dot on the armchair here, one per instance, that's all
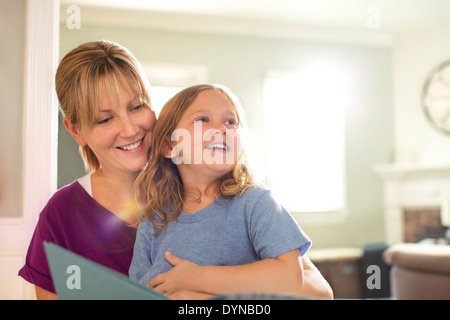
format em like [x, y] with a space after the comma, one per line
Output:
[419, 271]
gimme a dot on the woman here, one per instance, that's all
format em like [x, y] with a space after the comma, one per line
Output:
[103, 93]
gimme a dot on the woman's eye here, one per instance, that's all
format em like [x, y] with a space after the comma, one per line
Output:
[103, 121]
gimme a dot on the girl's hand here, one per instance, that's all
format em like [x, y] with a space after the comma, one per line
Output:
[182, 277]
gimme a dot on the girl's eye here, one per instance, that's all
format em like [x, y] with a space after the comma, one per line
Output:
[137, 107]
[200, 120]
[231, 122]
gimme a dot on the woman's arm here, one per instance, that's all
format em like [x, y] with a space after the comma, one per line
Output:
[284, 274]
[186, 276]
[42, 294]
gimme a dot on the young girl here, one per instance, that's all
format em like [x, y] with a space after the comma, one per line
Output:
[203, 211]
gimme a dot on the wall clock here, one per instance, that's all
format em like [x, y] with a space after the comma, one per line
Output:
[436, 97]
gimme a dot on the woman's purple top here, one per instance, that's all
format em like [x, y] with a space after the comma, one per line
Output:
[73, 220]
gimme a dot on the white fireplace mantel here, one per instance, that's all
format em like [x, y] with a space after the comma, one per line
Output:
[411, 186]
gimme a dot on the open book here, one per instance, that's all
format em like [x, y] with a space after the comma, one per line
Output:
[76, 277]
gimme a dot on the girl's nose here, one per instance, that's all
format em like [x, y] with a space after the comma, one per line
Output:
[221, 129]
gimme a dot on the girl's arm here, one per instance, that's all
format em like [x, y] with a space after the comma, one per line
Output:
[314, 284]
[140, 266]
[284, 274]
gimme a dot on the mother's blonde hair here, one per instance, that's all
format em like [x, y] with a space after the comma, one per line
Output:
[159, 189]
[85, 72]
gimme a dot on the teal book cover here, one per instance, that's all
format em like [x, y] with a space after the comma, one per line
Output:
[77, 278]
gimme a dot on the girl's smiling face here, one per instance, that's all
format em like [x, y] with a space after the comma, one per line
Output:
[209, 132]
[121, 134]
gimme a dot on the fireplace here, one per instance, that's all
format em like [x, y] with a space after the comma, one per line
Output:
[413, 197]
[419, 224]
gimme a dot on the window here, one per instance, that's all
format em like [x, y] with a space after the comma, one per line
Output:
[168, 80]
[161, 94]
[304, 117]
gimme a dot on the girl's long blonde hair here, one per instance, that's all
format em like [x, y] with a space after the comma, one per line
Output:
[158, 190]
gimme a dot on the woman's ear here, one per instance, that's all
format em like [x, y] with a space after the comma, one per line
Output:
[74, 131]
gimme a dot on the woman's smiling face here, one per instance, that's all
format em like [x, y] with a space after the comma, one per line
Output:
[121, 134]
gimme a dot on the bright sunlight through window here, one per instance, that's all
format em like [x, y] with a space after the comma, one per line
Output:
[304, 118]
[168, 80]
[161, 94]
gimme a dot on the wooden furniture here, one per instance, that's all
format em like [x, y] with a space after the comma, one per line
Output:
[342, 268]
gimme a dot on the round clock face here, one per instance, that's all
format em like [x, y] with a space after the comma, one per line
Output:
[436, 97]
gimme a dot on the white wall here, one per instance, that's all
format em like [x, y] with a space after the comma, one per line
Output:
[12, 24]
[12, 20]
[415, 54]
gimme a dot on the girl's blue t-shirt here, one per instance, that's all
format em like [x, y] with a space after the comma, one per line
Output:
[241, 230]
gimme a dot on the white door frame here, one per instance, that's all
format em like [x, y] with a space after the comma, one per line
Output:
[40, 112]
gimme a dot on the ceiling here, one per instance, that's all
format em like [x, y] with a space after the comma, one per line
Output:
[395, 15]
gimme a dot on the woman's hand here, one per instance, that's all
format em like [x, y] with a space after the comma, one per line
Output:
[190, 295]
[183, 277]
